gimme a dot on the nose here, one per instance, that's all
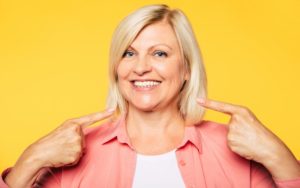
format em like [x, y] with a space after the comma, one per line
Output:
[142, 66]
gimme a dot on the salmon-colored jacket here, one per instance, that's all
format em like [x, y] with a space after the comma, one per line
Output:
[204, 160]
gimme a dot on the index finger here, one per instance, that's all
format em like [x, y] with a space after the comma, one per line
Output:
[87, 120]
[223, 107]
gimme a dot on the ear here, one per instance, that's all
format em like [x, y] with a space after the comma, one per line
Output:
[186, 77]
[187, 74]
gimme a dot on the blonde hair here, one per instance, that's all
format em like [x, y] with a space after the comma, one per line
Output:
[128, 30]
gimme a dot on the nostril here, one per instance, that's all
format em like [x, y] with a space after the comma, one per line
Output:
[142, 71]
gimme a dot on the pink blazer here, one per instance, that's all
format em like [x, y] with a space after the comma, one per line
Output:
[203, 157]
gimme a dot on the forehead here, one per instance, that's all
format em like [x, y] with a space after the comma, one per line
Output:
[154, 34]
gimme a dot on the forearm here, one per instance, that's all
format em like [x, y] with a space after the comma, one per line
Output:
[283, 166]
[24, 173]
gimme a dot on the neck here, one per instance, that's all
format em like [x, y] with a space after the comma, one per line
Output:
[154, 123]
[155, 132]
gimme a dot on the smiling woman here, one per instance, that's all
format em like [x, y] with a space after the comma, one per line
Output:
[172, 38]
[157, 137]
[151, 77]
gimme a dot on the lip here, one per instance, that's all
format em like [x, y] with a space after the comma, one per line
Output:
[145, 80]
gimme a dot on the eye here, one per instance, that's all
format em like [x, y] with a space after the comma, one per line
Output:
[160, 54]
[128, 53]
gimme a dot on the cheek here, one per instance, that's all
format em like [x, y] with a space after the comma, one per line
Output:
[123, 70]
[171, 70]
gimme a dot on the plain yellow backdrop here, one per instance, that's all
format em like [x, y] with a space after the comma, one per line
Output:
[54, 56]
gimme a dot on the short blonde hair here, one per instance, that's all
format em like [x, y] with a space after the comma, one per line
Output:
[127, 31]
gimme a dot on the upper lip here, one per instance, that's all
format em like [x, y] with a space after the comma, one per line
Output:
[144, 80]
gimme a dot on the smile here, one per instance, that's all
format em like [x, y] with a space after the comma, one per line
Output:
[146, 84]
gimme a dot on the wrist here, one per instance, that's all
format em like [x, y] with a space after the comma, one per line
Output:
[273, 152]
[282, 165]
[25, 171]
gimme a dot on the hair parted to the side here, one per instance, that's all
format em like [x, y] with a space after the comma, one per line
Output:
[128, 30]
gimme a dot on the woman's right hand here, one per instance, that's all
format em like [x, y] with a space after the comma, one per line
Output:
[64, 146]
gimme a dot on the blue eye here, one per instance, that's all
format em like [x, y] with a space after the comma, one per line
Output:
[160, 54]
[128, 53]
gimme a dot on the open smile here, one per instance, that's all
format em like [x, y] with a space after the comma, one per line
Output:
[145, 83]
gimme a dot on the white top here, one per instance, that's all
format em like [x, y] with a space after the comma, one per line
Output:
[159, 171]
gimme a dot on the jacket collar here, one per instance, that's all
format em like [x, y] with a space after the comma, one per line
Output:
[119, 133]
[193, 136]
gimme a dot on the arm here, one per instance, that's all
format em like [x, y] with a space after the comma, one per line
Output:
[261, 178]
[17, 176]
[63, 146]
[46, 178]
[35, 175]
[249, 138]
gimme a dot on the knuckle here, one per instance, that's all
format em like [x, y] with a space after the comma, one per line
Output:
[75, 156]
[70, 122]
[245, 110]
[235, 118]
[73, 159]
[234, 149]
[230, 138]
[77, 149]
[233, 127]
[74, 128]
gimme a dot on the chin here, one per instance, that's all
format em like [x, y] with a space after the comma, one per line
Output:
[145, 108]
[148, 106]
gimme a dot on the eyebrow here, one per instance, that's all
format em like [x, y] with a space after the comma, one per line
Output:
[161, 44]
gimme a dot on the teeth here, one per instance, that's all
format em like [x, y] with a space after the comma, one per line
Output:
[145, 83]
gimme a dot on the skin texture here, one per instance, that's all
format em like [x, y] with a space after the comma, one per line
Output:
[154, 123]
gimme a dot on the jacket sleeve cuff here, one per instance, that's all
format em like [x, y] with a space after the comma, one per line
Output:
[293, 183]
[3, 175]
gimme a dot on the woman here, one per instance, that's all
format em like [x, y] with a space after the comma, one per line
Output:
[157, 137]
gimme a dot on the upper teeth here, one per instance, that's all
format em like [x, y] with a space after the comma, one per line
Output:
[145, 83]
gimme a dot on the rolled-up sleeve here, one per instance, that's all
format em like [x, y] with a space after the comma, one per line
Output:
[294, 183]
[261, 178]
[3, 175]
[47, 178]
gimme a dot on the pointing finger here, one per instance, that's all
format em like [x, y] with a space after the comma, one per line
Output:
[90, 119]
[219, 106]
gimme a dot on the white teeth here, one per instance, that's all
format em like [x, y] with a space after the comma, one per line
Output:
[145, 83]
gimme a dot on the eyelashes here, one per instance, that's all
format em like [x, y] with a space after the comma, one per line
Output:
[157, 53]
[128, 53]
[160, 53]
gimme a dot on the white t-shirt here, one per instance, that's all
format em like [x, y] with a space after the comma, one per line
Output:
[159, 171]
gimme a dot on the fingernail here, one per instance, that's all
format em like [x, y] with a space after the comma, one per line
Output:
[201, 100]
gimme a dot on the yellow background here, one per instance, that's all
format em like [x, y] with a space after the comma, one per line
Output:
[53, 62]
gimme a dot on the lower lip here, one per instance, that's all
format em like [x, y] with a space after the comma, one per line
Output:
[145, 88]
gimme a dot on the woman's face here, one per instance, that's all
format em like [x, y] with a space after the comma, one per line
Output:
[151, 72]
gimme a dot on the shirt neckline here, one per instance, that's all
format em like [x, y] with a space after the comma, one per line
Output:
[119, 133]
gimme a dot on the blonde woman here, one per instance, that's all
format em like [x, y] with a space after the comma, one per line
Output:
[156, 136]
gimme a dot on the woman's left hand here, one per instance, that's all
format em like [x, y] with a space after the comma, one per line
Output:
[249, 138]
